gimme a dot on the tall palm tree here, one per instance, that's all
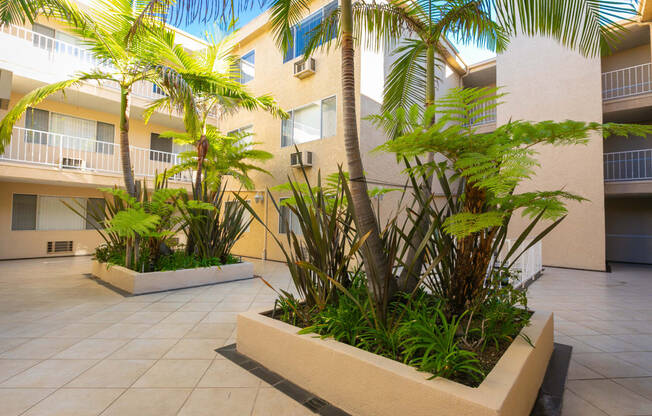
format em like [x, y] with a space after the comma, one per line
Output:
[580, 24]
[202, 84]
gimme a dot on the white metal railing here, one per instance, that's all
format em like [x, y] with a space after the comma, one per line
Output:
[631, 165]
[626, 82]
[529, 265]
[486, 116]
[67, 58]
[86, 155]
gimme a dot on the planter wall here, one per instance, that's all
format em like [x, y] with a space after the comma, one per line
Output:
[140, 283]
[363, 383]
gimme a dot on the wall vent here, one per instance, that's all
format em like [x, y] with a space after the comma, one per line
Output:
[59, 246]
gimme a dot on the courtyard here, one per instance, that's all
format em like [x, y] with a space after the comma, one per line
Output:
[70, 346]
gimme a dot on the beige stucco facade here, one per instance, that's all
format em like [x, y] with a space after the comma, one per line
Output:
[543, 80]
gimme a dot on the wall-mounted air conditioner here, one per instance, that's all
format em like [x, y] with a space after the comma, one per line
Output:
[301, 158]
[73, 163]
[304, 68]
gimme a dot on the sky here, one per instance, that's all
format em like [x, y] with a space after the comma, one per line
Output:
[469, 53]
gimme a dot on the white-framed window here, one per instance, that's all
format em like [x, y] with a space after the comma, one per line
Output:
[45, 127]
[247, 67]
[248, 131]
[287, 220]
[314, 121]
[45, 212]
[246, 217]
[302, 33]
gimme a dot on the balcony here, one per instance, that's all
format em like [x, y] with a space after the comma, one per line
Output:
[633, 165]
[49, 60]
[484, 115]
[627, 82]
[78, 154]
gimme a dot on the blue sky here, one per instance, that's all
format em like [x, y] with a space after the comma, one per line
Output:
[470, 53]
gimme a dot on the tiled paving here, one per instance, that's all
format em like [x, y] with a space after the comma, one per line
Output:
[607, 318]
[69, 346]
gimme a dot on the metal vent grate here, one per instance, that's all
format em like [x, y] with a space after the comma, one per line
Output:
[59, 246]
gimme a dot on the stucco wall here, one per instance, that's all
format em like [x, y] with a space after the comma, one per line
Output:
[545, 81]
[33, 243]
[624, 59]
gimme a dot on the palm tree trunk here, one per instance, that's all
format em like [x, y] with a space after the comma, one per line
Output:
[374, 257]
[202, 149]
[409, 277]
[125, 157]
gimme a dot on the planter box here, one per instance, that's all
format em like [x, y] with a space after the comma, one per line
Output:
[140, 283]
[363, 383]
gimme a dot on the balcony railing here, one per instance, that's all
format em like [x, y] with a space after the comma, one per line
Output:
[62, 57]
[85, 155]
[627, 82]
[633, 165]
[486, 116]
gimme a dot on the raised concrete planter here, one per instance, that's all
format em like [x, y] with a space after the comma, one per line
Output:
[139, 283]
[363, 383]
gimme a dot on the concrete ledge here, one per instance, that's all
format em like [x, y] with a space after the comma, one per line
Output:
[363, 383]
[140, 283]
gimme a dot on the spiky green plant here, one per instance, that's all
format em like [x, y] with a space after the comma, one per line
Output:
[473, 222]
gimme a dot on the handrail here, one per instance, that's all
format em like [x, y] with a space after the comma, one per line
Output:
[84, 154]
[631, 165]
[627, 82]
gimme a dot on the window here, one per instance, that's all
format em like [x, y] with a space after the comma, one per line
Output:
[287, 220]
[43, 36]
[23, 213]
[39, 212]
[95, 209]
[39, 120]
[246, 67]
[311, 122]
[246, 215]
[302, 32]
[247, 132]
[161, 148]
[70, 132]
[53, 214]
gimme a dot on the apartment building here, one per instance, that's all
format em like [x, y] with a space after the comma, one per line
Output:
[310, 91]
[545, 81]
[68, 145]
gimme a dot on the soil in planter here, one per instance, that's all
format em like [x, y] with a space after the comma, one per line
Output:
[420, 333]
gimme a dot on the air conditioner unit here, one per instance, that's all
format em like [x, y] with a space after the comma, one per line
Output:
[304, 68]
[301, 158]
[72, 163]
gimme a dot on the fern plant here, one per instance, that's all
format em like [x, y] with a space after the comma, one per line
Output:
[479, 176]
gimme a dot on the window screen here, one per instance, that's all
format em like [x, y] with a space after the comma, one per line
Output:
[23, 215]
[53, 214]
[158, 145]
[95, 213]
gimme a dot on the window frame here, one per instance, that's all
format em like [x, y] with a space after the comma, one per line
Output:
[242, 58]
[293, 29]
[321, 121]
[290, 215]
[37, 207]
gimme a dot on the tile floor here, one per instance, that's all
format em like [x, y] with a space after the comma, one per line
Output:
[69, 346]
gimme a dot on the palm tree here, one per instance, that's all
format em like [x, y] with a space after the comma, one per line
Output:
[19, 12]
[231, 155]
[585, 25]
[202, 84]
[126, 61]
